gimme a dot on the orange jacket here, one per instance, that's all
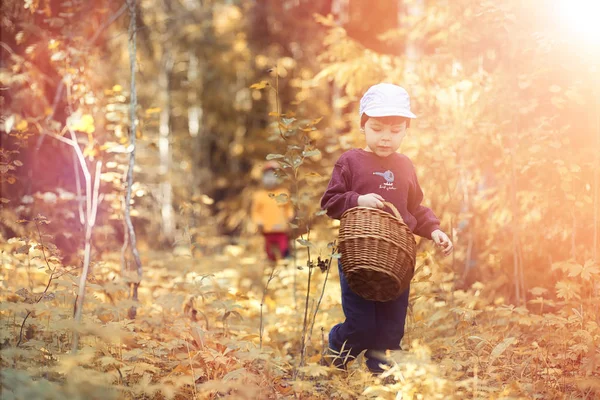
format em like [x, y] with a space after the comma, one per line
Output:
[272, 215]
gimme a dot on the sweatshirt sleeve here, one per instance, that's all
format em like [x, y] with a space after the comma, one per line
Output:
[338, 198]
[427, 222]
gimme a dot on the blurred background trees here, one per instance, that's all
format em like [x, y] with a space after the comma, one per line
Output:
[506, 144]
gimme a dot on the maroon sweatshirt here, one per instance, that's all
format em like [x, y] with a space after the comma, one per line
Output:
[359, 172]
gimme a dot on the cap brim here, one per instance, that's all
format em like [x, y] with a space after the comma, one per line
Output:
[389, 112]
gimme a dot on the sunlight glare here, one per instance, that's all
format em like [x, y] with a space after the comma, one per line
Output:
[581, 17]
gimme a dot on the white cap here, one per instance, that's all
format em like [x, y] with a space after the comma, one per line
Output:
[386, 99]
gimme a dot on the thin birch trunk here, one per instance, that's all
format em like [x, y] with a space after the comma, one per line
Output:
[596, 243]
[194, 108]
[164, 149]
[90, 220]
[194, 122]
[413, 9]
[517, 274]
[132, 111]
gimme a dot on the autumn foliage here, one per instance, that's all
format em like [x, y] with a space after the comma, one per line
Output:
[507, 151]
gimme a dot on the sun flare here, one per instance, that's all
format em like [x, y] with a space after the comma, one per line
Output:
[581, 18]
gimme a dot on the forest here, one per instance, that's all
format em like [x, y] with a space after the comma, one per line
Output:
[135, 137]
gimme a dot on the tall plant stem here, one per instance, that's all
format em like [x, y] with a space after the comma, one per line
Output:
[312, 325]
[305, 322]
[262, 302]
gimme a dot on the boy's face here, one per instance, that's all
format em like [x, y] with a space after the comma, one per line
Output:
[384, 135]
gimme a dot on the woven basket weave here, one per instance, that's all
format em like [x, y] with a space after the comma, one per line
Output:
[378, 252]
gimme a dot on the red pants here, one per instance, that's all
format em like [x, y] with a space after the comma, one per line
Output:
[277, 245]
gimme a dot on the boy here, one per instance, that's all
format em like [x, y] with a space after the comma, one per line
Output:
[272, 217]
[367, 177]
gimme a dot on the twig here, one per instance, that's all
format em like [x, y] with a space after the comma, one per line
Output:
[192, 369]
[47, 286]
[322, 342]
[304, 324]
[262, 302]
[124, 266]
[23, 325]
[107, 23]
[333, 251]
[277, 101]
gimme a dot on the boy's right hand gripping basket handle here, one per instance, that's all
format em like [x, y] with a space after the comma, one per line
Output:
[378, 252]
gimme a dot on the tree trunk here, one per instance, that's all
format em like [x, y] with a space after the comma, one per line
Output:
[132, 131]
[195, 116]
[413, 9]
[164, 149]
[597, 178]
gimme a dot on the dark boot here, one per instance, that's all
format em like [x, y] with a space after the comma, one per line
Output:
[378, 361]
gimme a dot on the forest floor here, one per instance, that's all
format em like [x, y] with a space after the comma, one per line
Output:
[197, 334]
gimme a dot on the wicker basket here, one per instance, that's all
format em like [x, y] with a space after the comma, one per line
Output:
[378, 252]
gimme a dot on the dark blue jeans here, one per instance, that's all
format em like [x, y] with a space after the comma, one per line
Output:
[369, 325]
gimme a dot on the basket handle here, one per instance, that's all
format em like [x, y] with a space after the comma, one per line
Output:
[394, 209]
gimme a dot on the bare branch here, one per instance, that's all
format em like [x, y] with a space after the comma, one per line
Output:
[43, 294]
[107, 23]
[96, 191]
[312, 325]
[86, 173]
[78, 184]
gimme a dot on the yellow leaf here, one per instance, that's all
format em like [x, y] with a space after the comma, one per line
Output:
[207, 200]
[117, 88]
[567, 290]
[575, 269]
[314, 359]
[249, 337]
[83, 124]
[589, 269]
[153, 110]
[90, 151]
[500, 348]
[538, 291]
[22, 125]
[315, 370]
[259, 85]
[11, 179]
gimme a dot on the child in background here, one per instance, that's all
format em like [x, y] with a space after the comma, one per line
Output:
[368, 177]
[270, 216]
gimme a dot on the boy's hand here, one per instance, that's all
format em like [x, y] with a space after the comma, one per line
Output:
[372, 200]
[442, 241]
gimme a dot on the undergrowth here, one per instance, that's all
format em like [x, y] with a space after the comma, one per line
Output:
[197, 333]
